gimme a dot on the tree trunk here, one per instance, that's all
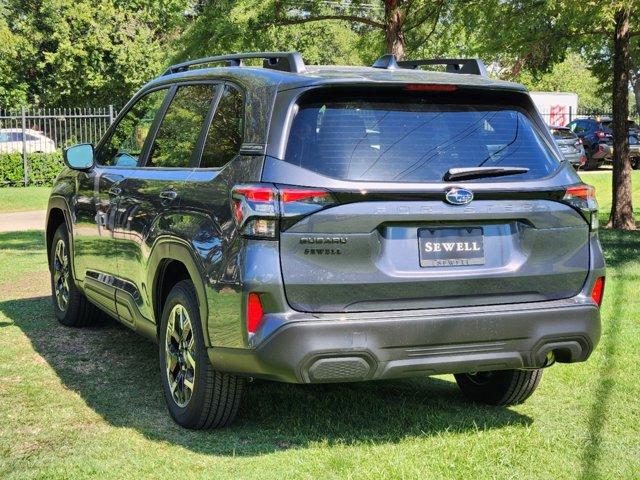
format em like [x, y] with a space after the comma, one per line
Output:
[622, 209]
[394, 16]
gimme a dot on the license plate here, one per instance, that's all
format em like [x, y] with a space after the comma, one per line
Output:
[450, 247]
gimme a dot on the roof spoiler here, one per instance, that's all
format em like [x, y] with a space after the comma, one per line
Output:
[283, 61]
[472, 66]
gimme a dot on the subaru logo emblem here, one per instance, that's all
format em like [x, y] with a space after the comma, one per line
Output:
[458, 196]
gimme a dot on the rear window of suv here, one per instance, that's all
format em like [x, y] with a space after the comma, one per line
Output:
[395, 140]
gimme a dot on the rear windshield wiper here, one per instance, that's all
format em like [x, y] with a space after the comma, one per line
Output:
[481, 172]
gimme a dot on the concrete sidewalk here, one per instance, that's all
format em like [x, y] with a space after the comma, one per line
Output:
[16, 221]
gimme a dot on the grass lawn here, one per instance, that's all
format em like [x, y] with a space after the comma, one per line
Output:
[20, 199]
[84, 403]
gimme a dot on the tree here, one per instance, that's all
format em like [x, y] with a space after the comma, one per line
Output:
[227, 26]
[571, 75]
[84, 53]
[394, 18]
[538, 34]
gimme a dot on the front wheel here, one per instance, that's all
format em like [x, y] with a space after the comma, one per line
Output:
[635, 163]
[70, 305]
[499, 387]
[197, 395]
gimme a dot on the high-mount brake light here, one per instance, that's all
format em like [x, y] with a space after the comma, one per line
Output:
[257, 208]
[430, 87]
[583, 197]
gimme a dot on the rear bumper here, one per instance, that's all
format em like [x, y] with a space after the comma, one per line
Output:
[382, 345]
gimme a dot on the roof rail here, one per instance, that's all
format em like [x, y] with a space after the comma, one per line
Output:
[473, 66]
[283, 61]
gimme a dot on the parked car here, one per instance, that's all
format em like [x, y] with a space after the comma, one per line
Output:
[11, 141]
[595, 138]
[632, 126]
[634, 151]
[313, 224]
[570, 145]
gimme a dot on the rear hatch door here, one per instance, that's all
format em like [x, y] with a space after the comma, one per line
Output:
[399, 237]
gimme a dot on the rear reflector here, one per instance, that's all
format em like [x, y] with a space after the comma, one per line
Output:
[254, 312]
[430, 87]
[598, 290]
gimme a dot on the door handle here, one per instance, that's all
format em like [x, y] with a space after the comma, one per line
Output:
[169, 194]
[115, 191]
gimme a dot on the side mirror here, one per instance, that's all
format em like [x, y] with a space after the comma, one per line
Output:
[79, 157]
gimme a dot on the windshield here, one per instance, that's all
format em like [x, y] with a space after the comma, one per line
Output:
[414, 141]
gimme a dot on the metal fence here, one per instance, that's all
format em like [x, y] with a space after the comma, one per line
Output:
[48, 130]
[560, 115]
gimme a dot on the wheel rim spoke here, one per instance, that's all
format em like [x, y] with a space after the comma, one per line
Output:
[180, 355]
[61, 275]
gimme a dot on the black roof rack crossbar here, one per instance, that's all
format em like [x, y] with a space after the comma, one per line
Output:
[473, 66]
[283, 61]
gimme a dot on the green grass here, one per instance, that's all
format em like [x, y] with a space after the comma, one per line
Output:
[20, 199]
[602, 181]
[85, 403]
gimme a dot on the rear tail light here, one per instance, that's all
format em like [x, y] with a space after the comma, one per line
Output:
[255, 312]
[598, 291]
[600, 134]
[258, 208]
[583, 160]
[583, 198]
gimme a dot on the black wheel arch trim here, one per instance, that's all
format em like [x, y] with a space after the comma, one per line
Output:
[171, 248]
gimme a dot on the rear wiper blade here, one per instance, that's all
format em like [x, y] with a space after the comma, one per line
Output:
[481, 172]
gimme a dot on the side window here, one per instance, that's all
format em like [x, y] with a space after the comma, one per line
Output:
[579, 127]
[226, 131]
[126, 142]
[181, 126]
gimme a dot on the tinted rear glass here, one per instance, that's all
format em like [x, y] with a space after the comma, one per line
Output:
[399, 141]
[562, 134]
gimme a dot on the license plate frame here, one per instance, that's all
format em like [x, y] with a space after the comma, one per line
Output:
[451, 246]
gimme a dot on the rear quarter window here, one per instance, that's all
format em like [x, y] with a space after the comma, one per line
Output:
[414, 140]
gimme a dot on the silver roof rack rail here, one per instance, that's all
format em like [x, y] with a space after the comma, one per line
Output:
[283, 61]
[473, 66]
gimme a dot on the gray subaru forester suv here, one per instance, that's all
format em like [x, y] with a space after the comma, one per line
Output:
[313, 224]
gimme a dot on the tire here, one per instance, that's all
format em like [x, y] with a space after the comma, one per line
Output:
[635, 163]
[70, 306]
[500, 387]
[591, 164]
[214, 397]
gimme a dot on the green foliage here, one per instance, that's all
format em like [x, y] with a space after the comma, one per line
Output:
[80, 52]
[571, 75]
[43, 168]
[234, 26]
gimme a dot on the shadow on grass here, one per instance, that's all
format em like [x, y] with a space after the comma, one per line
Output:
[620, 248]
[115, 371]
[27, 240]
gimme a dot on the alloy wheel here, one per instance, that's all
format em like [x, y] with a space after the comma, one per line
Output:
[180, 355]
[61, 275]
